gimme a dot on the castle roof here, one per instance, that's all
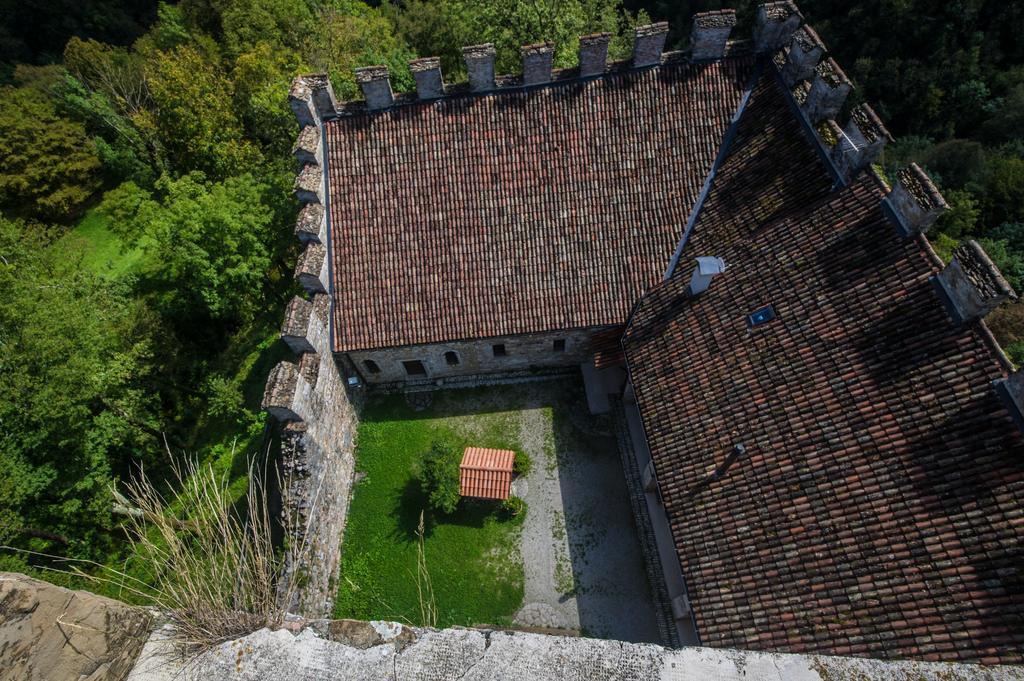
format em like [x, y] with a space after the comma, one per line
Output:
[876, 504]
[838, 471]
[522, 210]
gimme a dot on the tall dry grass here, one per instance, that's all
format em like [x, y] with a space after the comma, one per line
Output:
[215, 571]
[424, 587]
[212, 566]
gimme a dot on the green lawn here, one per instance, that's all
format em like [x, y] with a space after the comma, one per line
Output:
[101, 251]
[472, 556]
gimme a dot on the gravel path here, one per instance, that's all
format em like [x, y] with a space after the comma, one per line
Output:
[583, 566]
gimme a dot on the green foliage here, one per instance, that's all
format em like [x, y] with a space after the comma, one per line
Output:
[170, 30]
[944, 246]
[348, 34]
[260, 76]
[49, 167]
[1003, 200]
[74, 402]
[522, 464]
[514, 507]
[223, 398]
[247, 22]
[443, 28]
[962, 217]
[439, 477]
[211, 242]
[193, 116]
[1009, 262]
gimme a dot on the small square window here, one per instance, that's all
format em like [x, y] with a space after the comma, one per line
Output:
[558, 345]
[414, 367]
[451, 358]
[761, 315]
[499, 349]
[371, 366]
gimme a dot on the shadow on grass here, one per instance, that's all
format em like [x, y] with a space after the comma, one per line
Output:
[412, 501]
[478, 401]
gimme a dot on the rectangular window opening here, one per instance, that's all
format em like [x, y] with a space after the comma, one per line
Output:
[558, 345]
[498, 349]
[371, 366]
[414, 367]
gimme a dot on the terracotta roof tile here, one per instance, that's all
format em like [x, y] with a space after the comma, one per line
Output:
[486, 473]
[878, 508]
[519, 211]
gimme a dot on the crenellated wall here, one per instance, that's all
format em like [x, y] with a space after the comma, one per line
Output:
[310, 397]
[318, 420]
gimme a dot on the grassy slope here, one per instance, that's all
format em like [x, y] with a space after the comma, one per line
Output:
[101, 251]
[472, 556]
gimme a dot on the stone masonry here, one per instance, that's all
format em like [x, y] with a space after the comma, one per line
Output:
[317, 466]
[310, 398]
[523, 354]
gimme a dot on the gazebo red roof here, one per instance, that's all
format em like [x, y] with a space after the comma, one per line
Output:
[486, 473]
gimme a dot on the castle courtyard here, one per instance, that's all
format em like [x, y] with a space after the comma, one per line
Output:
[583, 569]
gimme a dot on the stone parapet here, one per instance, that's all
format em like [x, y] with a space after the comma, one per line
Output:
[972, 285]
[388, 650]
[710, 34]
[774, 25]
[649, 43]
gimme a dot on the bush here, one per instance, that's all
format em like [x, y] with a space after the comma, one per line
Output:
[513, 507]
[522, 464]
[439, 477]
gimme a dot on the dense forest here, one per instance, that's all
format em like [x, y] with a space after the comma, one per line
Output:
[146, 237]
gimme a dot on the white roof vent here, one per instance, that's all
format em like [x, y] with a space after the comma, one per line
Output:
[707, 268]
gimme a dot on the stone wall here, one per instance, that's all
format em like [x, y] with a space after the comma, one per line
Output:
[48, 633]
[318, 423]
[525, 354]
[310, 398]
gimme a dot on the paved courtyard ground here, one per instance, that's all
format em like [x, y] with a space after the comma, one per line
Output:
[582, 562]
[574, 561]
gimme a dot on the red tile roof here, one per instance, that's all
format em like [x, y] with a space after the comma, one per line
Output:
[486, 473]
[607, 347]
[521, 211]
[879, 507]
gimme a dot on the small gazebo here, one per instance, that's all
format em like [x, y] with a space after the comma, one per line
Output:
[486, 473]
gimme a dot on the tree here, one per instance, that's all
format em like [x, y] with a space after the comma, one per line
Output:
[439, 477]
[212, 242]
[194, 117]
[348, 34]
[962, 218]
[248, 22]
[260, 76]
[443, 28]
[73, 404]
[49, 168]
[1004, 191]
[113, 71]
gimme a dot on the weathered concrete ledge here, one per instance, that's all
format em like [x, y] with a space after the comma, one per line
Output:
[385, 650]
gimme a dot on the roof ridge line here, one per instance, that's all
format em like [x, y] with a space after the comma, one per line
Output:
[723, 152]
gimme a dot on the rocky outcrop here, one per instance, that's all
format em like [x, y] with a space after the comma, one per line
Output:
[48, 633]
